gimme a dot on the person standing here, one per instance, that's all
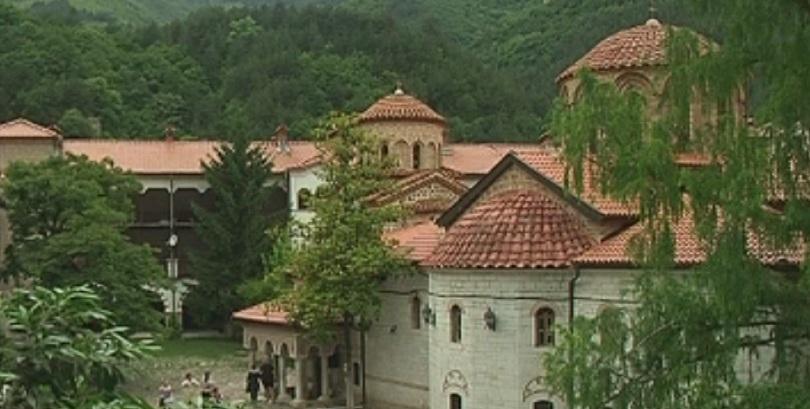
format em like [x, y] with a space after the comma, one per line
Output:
[267, 379]
[164, 394]
[252, 383]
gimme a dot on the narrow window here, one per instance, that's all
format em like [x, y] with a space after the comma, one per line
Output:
[544, 327]
[455, 401]
[543, 404]
[357, 374]
[304, 196]
[384, 151]
[417, 155]
[416, 310]
[455, 324]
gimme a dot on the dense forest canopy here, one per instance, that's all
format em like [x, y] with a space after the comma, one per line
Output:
[489, 66]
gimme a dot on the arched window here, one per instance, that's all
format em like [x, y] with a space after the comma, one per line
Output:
[543, 404]
[384, 151]
[455, 324]
[357, 375]
[304, 196]
[417, 155]
[544, 327]
[455, 401]
[416, 310]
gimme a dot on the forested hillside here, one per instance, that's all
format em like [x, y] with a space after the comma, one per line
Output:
[222, 72]
[488, 65]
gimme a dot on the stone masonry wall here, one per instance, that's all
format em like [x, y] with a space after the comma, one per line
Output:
[503, 368]
[396, 375]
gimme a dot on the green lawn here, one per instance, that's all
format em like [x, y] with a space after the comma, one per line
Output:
[205, 348]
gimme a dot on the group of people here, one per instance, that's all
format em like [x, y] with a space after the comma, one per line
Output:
[261, 376]
[208, 390]
[257, 378]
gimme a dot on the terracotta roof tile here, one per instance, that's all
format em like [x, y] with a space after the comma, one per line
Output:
[23, 128]
[181, 157]
[639, 46]
[265, 313]
[400, 106]
[516, 229]
[549, 163]
[418, 241]
[616, 250]
[689, 250]
[479, 158]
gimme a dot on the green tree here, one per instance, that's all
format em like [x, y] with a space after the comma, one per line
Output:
[233, 232]
[678, 348]
[342, 257]
[60, 348]
[69, 216]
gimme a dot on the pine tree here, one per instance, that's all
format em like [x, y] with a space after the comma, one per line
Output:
[680, 346]
[233, 233]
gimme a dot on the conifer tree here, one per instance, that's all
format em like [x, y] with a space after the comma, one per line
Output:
[233, 233]
[681, 346]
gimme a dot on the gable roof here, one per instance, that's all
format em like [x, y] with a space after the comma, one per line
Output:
[402, 188]
[468, 199]
[23, 128]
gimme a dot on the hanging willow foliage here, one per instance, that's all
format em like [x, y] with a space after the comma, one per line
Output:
[734, 331]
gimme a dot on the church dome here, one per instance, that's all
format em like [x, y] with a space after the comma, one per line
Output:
[640, 46]
[400, 106]
[514, 229]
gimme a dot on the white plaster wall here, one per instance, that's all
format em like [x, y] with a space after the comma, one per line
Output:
[302, 179]
[397, 366]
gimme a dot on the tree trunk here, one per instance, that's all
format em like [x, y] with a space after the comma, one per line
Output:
[348, 365]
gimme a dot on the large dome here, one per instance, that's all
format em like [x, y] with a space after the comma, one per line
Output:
[515, 229]
[400, 106]
[640, 46]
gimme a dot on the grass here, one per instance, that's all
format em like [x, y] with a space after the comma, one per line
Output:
[204, 348]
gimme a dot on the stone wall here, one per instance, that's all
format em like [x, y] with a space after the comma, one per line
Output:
[401, 136]
[503, 368]
[397, 351]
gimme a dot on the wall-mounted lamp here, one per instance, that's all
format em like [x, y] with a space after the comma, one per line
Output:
[489, 319]
[428, 315]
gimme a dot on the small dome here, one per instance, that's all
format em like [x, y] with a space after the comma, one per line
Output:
[515, 229]
[400, 106]
[640, 46]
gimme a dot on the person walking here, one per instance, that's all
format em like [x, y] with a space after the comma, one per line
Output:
[252, 383]
[267, 379]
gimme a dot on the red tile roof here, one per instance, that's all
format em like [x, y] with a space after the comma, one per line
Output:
[181, 157]
[549, 163]
[23, 128]
[479, 158]
[616, 250]
[418, 241]
[689, 250]
[515, 229]
[264, 313]
[400, 106]
[639, 46]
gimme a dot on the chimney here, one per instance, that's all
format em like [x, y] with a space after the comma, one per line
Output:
[169, 133]
[280, 136]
